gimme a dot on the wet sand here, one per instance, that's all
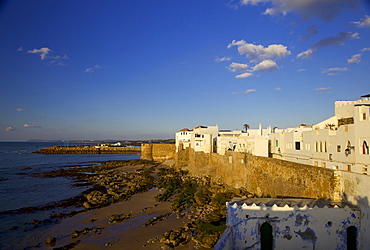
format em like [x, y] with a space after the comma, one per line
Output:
[127, 234]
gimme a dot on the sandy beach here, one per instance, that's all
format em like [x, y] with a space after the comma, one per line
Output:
[95, 229]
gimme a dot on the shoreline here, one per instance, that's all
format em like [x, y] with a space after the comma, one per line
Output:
[136, 204]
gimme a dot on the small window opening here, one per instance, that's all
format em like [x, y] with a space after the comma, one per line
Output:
[297, 145]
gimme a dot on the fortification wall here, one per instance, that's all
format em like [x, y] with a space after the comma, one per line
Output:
[89, 150]
[265, 177]
[158, 152]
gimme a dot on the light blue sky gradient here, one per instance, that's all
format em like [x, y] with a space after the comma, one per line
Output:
[146, 69]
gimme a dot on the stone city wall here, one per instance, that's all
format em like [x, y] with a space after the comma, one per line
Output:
[265, 177]
[157, 152]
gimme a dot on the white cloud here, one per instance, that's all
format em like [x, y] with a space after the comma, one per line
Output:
[266, 65]
[42, 52]
[262, 58]
[364, 22]
[244, 75]
[238, 67]
[244, 92]
[331, 70]
[20, 48]
[301, 70]
[365, 49]
[354, 59]
[30, 126]
[20, 110]
[277, 88]
[92, 69]
[323, 89]
[305, 54]
[253, 2]
[326, 10]
[249, 91]
[225, 58]
[59, 57]
[258, 52]
[9, 129]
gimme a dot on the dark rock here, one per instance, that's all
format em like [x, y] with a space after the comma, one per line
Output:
[51, 241]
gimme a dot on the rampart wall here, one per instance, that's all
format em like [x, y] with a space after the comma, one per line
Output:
[269, 177]
[158, 152]
[265, 177]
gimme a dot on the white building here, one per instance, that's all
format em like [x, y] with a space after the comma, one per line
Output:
[200, 138]
[341, 142]
[183, 138]
[267, 223]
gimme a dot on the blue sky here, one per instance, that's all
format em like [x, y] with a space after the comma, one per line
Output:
[146, 69]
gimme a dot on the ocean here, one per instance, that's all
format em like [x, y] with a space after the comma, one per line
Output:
[19, 189]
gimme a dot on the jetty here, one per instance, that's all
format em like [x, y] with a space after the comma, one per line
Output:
[89, 150]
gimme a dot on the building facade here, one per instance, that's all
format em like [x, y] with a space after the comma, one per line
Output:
[341, 142]
[266, 223]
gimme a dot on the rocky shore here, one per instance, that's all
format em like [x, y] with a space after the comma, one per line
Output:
[138, 204]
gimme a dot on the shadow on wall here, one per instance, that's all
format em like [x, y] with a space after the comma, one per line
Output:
[362, 202]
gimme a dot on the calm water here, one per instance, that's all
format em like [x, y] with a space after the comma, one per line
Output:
[18, 189]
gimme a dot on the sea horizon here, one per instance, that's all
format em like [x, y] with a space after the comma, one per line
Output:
[20, 188]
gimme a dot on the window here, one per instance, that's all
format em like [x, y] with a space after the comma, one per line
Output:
[266, 236]
[297, 145]
[336, 167]
[276, 143]
[348, 168]
[364, 170]
[316, 164]
[365, 148]
[323, 164]
[363, 116]
[338, 148]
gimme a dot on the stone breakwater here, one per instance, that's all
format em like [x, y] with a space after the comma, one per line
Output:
[89, 150]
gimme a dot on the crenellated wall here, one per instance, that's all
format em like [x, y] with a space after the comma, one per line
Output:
[295, 224]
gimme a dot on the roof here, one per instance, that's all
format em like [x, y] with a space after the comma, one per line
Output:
[185, 129]
[291, 202]
[201, 127]
[368, 95]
